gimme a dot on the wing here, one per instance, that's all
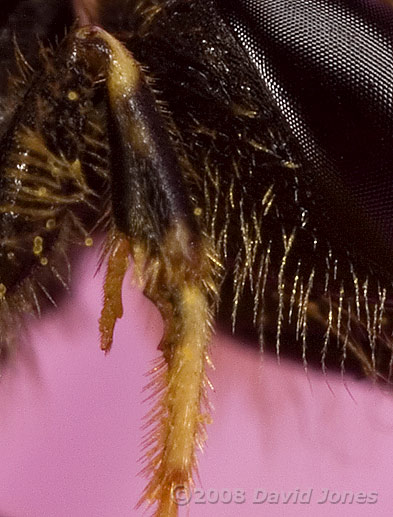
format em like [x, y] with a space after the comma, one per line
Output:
[288, 128]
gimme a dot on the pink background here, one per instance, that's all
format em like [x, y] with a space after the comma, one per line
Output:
[70, 422]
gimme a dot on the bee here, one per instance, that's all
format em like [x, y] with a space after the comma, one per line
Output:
[224, 147]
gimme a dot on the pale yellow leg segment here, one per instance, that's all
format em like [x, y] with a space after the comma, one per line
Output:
[118, 262]
[182, 421]
[180, 281]
[181, 284]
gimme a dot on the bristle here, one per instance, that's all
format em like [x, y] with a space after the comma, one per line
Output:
[294, 291]
[24, 68]
[287, 242]
[339, 313]
[327, 335]
[346, 338]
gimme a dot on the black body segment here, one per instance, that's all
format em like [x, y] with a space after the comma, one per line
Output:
[43, 178]
[148, 188]
[49, 131]
[146, 158]
[218, 143]
[25, 26]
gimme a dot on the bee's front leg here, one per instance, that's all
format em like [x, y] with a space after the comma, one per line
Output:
[154, 221]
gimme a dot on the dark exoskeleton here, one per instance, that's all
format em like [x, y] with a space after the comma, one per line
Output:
[226, 147]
